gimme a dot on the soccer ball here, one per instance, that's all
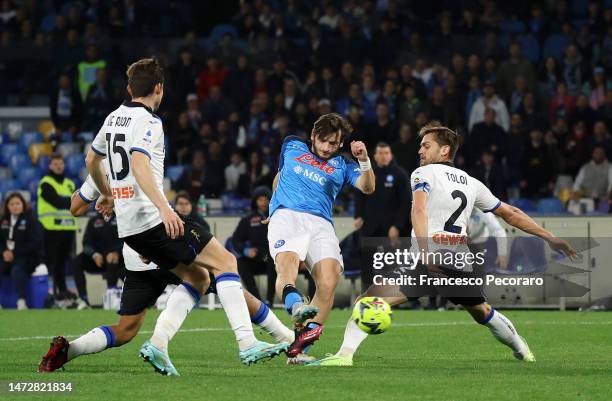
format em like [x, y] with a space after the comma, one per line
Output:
[372, 315]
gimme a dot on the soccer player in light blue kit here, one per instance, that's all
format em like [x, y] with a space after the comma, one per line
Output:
[310, 177]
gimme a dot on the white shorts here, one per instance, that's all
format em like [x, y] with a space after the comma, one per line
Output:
[312, 237]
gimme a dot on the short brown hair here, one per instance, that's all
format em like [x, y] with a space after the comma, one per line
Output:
[331, 123]
[442, 135]
[55, 156]
[143, 75]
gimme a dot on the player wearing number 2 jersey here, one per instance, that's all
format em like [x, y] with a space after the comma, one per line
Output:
[443, 199]
[132, 139]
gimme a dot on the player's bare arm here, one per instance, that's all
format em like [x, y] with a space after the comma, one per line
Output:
[78, 207]
[275, 182]
[94, 165]
[366, 183]
[144, 177]
[519, 219]
[418, 215]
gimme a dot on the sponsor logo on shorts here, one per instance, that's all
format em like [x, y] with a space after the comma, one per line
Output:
[279, 243]
[195, 234]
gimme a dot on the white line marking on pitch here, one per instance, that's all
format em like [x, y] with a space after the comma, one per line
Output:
[421, 324]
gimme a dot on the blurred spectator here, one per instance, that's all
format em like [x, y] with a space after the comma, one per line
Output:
[516, 65]
[439, 108]
[21, 245]
[532, 118]
[489, 100]
[54, 192]
[572, 70]
[490, 173]
[215, 177]
[408, 79]
[518, 94]
[181, 139]
[239, 83]
[215, 107]
[562, 104]
[596, 89]
[250, 241]
[101, 254]
[99, 103]
[514, 150]
[193, 112]
[409, 105]
[405, 148]
[583, 112]
[487, 136]
[382, 130]
[212, 76]
[594, 180]
[88, 69]
[184, 74]
[258, 174]
[575, 149]
[184, 207]
[537, 179]
[549, 77]
[66, 106]
[195, 177]
[234, 171]
[601, 138]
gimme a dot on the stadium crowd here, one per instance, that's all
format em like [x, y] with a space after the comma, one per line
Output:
[526, 85]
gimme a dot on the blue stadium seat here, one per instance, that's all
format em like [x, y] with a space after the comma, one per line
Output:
[527, 256]
[43, 163]
[7, 186]
[28, 138]
[530, 48]
[550, 206]
[5, 173]
[4, 138]
[523, 204]
[74, 164]
[6, 151]
[554, 46]
[86, 136]
[19, 162]
[33, 188]
[174, 173]
[512, 27]
[28, 174]
[66, 137]
[580, 8]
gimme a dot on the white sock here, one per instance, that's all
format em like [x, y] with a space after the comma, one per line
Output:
[96, 340]
[353, 337]
[180, 302]
[502, 328]
[231, 296]
[267, 320]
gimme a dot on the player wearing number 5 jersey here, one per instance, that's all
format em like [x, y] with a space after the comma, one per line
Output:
[443, 199]
[132, 139]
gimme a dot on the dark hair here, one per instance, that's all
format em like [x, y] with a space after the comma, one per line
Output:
[143, 75]
[331, 123]
[184, 195]
[442, 135]
[382, 144]
[55, 156]
[5, 212]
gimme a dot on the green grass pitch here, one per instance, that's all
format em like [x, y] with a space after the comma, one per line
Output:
[424, 356]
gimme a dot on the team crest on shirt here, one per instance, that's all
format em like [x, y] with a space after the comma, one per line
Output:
[389, 181]
[416, 180]
[147, 137]
[279, 243]
[298, 170]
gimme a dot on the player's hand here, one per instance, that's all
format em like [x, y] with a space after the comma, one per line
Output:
[359, 151]
[112, 258]
[502, 262]
[358, 223]
[98, 259]
[144, 259]
[105, 205]
[266, 220]
[562, 246]
[172, 222]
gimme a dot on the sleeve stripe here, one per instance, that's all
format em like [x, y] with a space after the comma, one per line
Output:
[422, 186]
[494, 208]
[97, 151]
[141, 150]
[84, 197]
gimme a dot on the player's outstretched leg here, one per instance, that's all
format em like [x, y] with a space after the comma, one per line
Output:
[353, 335]
[287, 266]
[222, 264]
[502, 329]
[61, 351]
[180, 302]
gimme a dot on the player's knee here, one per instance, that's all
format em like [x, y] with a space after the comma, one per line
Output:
[287, 262]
